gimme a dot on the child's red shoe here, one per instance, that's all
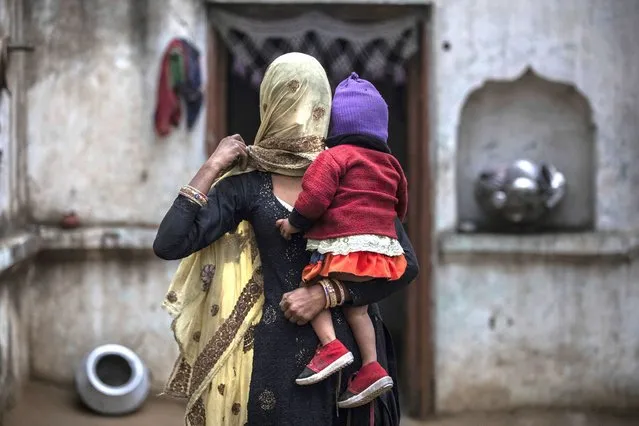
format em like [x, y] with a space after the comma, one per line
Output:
[367, 384]
[328, 359]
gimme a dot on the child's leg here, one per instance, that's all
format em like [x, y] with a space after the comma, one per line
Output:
[323, 326]
[331, 357]
[372, 379]
[363, 331]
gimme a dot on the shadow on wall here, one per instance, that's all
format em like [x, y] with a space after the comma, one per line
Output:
[535, 119]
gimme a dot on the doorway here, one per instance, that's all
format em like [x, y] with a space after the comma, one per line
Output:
[233, 107]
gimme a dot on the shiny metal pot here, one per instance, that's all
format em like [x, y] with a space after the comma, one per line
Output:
[522, 193]
[112, 380]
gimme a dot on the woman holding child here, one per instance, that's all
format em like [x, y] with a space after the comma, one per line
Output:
[241, 318]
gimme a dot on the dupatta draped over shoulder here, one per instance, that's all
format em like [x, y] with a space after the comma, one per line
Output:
[216, 296]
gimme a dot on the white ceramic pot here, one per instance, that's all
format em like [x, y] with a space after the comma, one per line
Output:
[112, 380]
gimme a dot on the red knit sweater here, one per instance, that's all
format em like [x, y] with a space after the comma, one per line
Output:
[351, 190]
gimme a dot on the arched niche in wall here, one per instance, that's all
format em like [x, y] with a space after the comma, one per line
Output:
[535, 119]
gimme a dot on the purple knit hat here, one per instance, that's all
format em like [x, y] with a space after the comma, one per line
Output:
[359, 109]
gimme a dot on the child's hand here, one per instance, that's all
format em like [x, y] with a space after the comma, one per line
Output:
[286, 229]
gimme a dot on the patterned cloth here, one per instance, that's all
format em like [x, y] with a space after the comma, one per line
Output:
[217, 294]
[295, 109]
[375, 50]
[278, 348]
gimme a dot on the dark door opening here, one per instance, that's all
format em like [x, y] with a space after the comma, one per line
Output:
[244, 118]
[234, 108]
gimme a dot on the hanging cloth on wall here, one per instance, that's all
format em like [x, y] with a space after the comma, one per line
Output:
[180, 81]
[376, 50]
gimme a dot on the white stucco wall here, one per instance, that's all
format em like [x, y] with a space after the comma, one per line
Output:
[97, 299]
[509, 332]
[519, 331]
[588, 43]
[92, 148]
[92, 145]
[12, 121]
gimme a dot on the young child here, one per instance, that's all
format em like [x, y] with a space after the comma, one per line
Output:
[351, 196]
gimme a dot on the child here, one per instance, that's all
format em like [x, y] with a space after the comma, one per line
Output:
[351, 196]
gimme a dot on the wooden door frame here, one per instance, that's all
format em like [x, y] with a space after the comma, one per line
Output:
[420, 332]
[420, 340]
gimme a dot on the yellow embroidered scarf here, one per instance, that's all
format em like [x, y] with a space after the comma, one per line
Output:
[216, 295]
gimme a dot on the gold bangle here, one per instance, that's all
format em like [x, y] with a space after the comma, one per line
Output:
[191, 199]
[338, 295]
[198, 195]
[332, 294]
[341, 291]
[328, 299]
[195, 195]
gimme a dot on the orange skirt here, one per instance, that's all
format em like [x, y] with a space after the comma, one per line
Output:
[363, 265]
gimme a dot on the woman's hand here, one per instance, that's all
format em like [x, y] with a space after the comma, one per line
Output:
[230, 151]
[303, 304]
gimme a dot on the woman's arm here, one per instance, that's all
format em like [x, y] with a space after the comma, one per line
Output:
[369, 292]
[187, 227]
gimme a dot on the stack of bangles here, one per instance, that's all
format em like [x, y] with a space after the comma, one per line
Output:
[194, 195]
[334, 292]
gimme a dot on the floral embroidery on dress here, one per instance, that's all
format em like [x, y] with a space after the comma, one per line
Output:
[225, 334]
[215, 309]
[249, 339]
[178, 383]
[197, 414]
[270, 315]
[171, 297]
[293, 85]
[318, 113]
[267, 400]
[236, 408]
[207, 274]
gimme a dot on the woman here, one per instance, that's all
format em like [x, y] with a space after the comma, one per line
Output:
[240, 316]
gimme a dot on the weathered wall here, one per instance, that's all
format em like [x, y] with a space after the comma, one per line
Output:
[534, 119]
[13, 122]
[525, 332]
[98, 298]
[14, 356]
[92, 147]
[588, 44]
[14, 345]
[506, 330]
[515, 331]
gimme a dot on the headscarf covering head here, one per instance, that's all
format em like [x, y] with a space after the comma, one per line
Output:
[295, 109]
[216, 296]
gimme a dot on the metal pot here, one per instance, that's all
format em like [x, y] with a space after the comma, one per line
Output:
[112, 380]
[522, 193]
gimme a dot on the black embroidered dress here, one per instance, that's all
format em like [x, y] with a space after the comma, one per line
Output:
[281, 348]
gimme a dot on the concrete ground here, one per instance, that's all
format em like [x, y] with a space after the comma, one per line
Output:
[45, 405]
